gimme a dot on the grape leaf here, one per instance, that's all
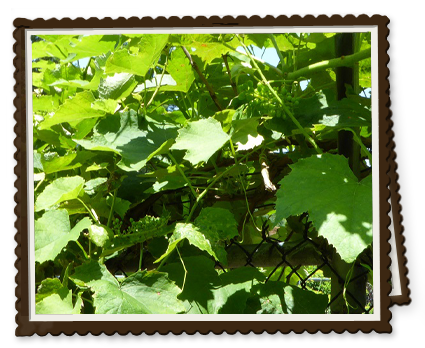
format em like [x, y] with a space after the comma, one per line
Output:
[280, 298]
[194, 236]
[62, 189]
[217, 221]
[231, 297]
[339, 206]
[59, 302]
[137, 63]
[199, 282]
[181, 71]
[120, 133]
[76, 109]
[52, 232]
[90, 46]
[48, 49]
[141, 293]
[117, 86]
[201, 139]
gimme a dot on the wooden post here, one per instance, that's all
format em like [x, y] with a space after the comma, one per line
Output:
[344, 45]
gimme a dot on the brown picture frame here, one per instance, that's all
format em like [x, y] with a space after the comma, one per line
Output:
[28, 327]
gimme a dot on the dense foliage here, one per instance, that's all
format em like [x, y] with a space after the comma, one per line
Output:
[163, 148]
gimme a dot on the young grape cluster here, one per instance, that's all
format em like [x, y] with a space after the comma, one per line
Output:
[260, 101]
[146, 223]
[116, 226]
[246, 94]
[289, 98]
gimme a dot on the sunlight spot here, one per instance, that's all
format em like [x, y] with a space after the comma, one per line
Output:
[324, 173]
[304, 84]
[367, 225]
[251, 143]
[247, 65]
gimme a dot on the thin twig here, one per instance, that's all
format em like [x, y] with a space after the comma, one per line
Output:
[204, 80]
[232, 83]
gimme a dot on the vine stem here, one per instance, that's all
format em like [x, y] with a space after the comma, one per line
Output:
[91, 212]
[183, 175]
[330, 64]
[272, 67]
[81, 247]
[284, 107]
[277, 49]
[203, 193]
[362, 146]
[112, 208]
[158, 86]
[242, 184]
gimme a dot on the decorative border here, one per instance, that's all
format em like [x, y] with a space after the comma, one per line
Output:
[26, 327]
[404, 298]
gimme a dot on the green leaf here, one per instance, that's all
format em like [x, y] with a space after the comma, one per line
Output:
[199, 284]
[59, 302]
[201, 139]
[76, 109]
[225, 117]
[92, 84]
[217, 224]
[167, 80]
[120, 133]
[90, 187]
[243, 130]
[117, 87]
[48, 287]
[193, 235]
[339, 206]
[120, 205]
[46, 103]
[53, 232]
[149, 50]
[141, 293]
[217, 221]
[90, 46]
[231, 297]
[280, 298]
[62, 189]
[181, 71]
[48, 49]
[54, 298]
[55, 163]
[166, 179]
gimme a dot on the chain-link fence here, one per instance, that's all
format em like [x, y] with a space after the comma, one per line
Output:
[314, 265]
[306, 261]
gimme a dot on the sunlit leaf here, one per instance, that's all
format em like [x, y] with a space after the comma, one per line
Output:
[339, 205]
[59, 190]
[53, 232]
[201, 139]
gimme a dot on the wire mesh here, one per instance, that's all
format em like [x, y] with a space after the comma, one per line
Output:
[306, 274]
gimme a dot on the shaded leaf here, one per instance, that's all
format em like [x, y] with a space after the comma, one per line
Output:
[120, 133]
[280, 298]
